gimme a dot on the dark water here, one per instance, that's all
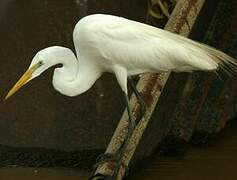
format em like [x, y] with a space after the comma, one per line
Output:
[217, 160]
[41, 174]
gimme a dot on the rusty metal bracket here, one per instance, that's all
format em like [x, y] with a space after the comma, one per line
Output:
[150, 86]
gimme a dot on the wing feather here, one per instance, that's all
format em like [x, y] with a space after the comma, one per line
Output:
[140, 48]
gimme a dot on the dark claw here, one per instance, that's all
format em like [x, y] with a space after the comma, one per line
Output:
[105, 157]
[100, 177]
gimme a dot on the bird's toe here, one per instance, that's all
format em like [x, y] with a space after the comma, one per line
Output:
[101, 177]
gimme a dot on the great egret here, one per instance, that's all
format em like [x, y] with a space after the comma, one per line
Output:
[106, 43]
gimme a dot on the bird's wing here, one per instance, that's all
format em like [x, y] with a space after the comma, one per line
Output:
[139, 46]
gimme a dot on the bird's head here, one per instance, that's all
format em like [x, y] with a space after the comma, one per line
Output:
[45, 59]
[38, 65]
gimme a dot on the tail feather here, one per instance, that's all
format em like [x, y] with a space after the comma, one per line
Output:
[221, 60]
[224, 61]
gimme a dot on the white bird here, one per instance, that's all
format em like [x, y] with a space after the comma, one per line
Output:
[106, 43]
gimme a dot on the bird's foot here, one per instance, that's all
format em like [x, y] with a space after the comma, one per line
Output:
[100, 177]
[113, 158]
[103, 158]
[100, 160]
[119, 164]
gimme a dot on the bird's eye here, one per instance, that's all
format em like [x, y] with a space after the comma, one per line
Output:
[40, 63]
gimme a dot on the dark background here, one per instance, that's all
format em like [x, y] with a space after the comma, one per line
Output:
[39, 116]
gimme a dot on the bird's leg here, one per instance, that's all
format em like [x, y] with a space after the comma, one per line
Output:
[163, 7]
[120, 152]
[138, 96]
[100, 177]
[122, 77]
[131, 126]
[118, 156]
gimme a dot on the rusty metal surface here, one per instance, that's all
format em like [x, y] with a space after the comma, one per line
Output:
[150, 86]
[220, 104]
[207, 101]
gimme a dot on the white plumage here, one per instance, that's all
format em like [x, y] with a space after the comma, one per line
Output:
[142, 48]
[106, 43]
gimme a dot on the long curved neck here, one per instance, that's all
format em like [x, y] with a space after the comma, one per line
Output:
[74, 77]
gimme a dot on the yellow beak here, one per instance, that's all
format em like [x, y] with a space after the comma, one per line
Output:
[23, 80]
